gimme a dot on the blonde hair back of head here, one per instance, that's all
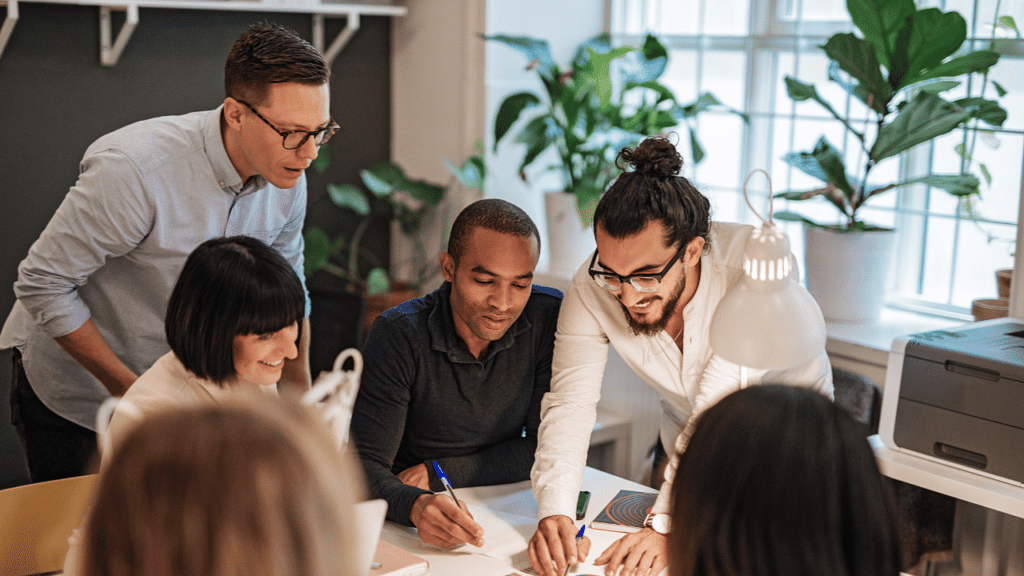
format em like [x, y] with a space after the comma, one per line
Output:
[251, 488]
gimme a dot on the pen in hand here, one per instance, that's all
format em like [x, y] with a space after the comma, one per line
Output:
[579, 536]
[446, 482]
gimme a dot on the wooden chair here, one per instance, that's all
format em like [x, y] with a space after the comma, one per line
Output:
[36, 520]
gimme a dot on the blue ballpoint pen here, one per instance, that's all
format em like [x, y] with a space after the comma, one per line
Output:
[446, 482]
[579, 536]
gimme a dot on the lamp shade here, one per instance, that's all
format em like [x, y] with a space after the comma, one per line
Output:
[767, 320]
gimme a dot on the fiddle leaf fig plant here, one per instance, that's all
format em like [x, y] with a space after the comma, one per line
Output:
[607, 98]
[904, 61]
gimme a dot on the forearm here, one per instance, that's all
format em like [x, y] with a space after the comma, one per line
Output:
[295, 376]
[87, 346]
[383, 484]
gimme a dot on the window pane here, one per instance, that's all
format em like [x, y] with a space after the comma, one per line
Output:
[681, 74]
[721, 136]
[978, 258]
[1009, 73]
[817, 10]
[724, 75]
[721, 17]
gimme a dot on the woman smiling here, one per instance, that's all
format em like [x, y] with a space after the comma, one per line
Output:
[232, 320]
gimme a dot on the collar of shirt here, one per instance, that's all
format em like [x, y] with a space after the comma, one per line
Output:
[444, 338]
[225, 172]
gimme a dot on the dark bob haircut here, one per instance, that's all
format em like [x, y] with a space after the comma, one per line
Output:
[779, 481]
[229, 287]
[654, 191]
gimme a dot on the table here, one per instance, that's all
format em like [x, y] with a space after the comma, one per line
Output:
[988, 528]
[508, 514]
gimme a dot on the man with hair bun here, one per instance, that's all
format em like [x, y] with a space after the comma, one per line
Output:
[650, 290]
[93, 289]
[457, 376]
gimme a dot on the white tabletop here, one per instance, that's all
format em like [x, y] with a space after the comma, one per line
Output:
[508, 514]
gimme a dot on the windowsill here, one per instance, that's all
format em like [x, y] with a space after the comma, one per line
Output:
[864, 348]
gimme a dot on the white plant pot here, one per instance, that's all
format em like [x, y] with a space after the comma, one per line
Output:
[569, 241]
[847, 273]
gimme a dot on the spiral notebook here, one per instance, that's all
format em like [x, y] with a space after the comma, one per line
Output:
[626, 512]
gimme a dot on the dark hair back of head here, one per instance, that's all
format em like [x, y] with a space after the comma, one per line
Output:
[269, 54]
[654, 191]
[492, 214]
[229, 287]
[778, 481]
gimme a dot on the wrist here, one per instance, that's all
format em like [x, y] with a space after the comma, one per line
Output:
[416, 511]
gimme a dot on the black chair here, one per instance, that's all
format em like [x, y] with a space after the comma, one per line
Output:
[336, 323]
[860, 396]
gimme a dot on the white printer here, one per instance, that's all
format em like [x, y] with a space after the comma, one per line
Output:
[957, 396]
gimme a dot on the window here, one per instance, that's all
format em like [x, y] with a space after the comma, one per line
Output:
[740, 50]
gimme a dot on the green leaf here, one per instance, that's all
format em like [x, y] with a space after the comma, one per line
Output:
[322, 161]
[925, 117]
[988, 111]
[537, 52]
[823, 163]
[999, 88]
[600, 70]
[1008, 23]
[880, 21]
[536, 138]
[509, 112]
[955, 184]
[787, 216]
[646, 64]
[587, 196]
[664, 92]
[377, 281]
[703, 103]
[977, 61]
[800, 92]
[696, 148]
[985, 173]
[600, 43]
[348, 196]
[317, 251]
[857, 58]
[471, 174]
[939, 86]
[934, 36]
[377, 182]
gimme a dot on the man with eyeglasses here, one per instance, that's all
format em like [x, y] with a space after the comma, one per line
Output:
[650, 290]
[93, 290]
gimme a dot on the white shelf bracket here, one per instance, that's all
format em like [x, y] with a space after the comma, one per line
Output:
[111, 53]
[9, 21]
[351, 27]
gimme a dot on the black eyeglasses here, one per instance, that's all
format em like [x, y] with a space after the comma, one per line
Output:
[294, 139]
[641, 282]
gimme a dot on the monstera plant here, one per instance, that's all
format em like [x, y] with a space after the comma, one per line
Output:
[900, 67]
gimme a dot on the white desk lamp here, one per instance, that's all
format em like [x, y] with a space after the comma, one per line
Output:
[767, 320]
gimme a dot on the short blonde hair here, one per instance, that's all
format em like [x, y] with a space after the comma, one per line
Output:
[233, 489]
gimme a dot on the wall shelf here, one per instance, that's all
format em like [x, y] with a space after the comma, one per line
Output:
[111, 49]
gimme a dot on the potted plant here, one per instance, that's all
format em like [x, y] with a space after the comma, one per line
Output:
[899, 68]
[605, 99]
[388, 195]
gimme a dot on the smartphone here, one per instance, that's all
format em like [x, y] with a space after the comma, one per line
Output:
[581, 504]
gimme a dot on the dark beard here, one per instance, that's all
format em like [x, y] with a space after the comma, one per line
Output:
[652, 328]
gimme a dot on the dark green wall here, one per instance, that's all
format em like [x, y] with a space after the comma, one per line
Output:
[55, 99]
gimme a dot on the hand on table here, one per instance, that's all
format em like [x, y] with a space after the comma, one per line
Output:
[416, 476]
[442, 523]
[640, 553]
[553, 546]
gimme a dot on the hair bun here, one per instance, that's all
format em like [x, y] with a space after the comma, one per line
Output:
[655, 156]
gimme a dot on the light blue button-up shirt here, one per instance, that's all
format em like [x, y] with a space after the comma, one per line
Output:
[146, 196]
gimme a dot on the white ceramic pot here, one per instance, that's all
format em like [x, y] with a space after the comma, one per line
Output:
[569, 241]
[847, 272]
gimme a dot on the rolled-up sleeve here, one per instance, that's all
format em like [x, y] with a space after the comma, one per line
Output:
[105, 215]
